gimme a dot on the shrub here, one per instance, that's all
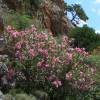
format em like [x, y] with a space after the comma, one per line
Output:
[19, 97]
[85, 37]
[42, 62]
[19, 20]
[96, 51]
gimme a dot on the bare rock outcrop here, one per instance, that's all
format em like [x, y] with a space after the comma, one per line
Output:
[51, 12]
[53, 16]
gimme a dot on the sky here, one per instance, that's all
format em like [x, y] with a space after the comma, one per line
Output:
[92, 9]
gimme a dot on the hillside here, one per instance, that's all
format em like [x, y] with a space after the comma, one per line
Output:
[49, 12]
[44, 55]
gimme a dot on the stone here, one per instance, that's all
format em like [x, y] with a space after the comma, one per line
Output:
[3, 69]
[53, 16]
[1, 96]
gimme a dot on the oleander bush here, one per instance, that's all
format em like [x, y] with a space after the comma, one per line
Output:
[42, 62]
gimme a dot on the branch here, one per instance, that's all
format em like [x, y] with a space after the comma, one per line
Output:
[74, 16]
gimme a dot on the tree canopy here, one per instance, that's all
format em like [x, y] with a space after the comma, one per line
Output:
[85, 37]
[77, 13]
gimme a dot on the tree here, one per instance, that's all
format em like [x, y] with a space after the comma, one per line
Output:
[85, 37]
[77, 13]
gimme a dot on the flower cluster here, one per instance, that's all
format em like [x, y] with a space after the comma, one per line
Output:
[49, 56]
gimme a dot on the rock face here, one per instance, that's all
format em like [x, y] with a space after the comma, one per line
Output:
[50, 11]
[53, 16]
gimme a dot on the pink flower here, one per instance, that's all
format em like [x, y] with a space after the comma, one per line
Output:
[69, 76]
[9, 28]
[69, 56]
[14, 33]
[41, 63]
[50, 42]
[51, 78]
[47, 65]
[40, 36]
[33, 28]
[83, 49]
[62, 46]
[81, 73]
[18, 45]
[64, 38]
[78, 50]
[55, 59]
[44, 52]
[19, 55]
[70, 49]
[10, 73]
[57, 83]
[31, 52]
[53, 50]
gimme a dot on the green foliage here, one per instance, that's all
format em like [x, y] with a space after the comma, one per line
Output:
[96, 51]
[77, 13]
[21, 96]
[85, 37]
[43, 62]
[18, 94]
[34, 78]
[18, 20]
[21, 21]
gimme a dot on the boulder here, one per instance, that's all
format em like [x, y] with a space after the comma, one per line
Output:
[1, 96]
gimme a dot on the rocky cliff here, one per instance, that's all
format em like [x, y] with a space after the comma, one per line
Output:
[54, 18]
[50, 11]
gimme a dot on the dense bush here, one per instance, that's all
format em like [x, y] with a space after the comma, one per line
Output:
[85, 37]
[19, 97]
[19, 20]
[41, 62]
[96, 51]
[16, 96]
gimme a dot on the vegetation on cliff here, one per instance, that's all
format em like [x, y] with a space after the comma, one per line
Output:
[43, 54]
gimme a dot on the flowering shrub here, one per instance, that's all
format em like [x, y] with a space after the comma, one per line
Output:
[47, 63]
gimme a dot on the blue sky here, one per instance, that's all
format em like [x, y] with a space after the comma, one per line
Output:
[92, 9]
